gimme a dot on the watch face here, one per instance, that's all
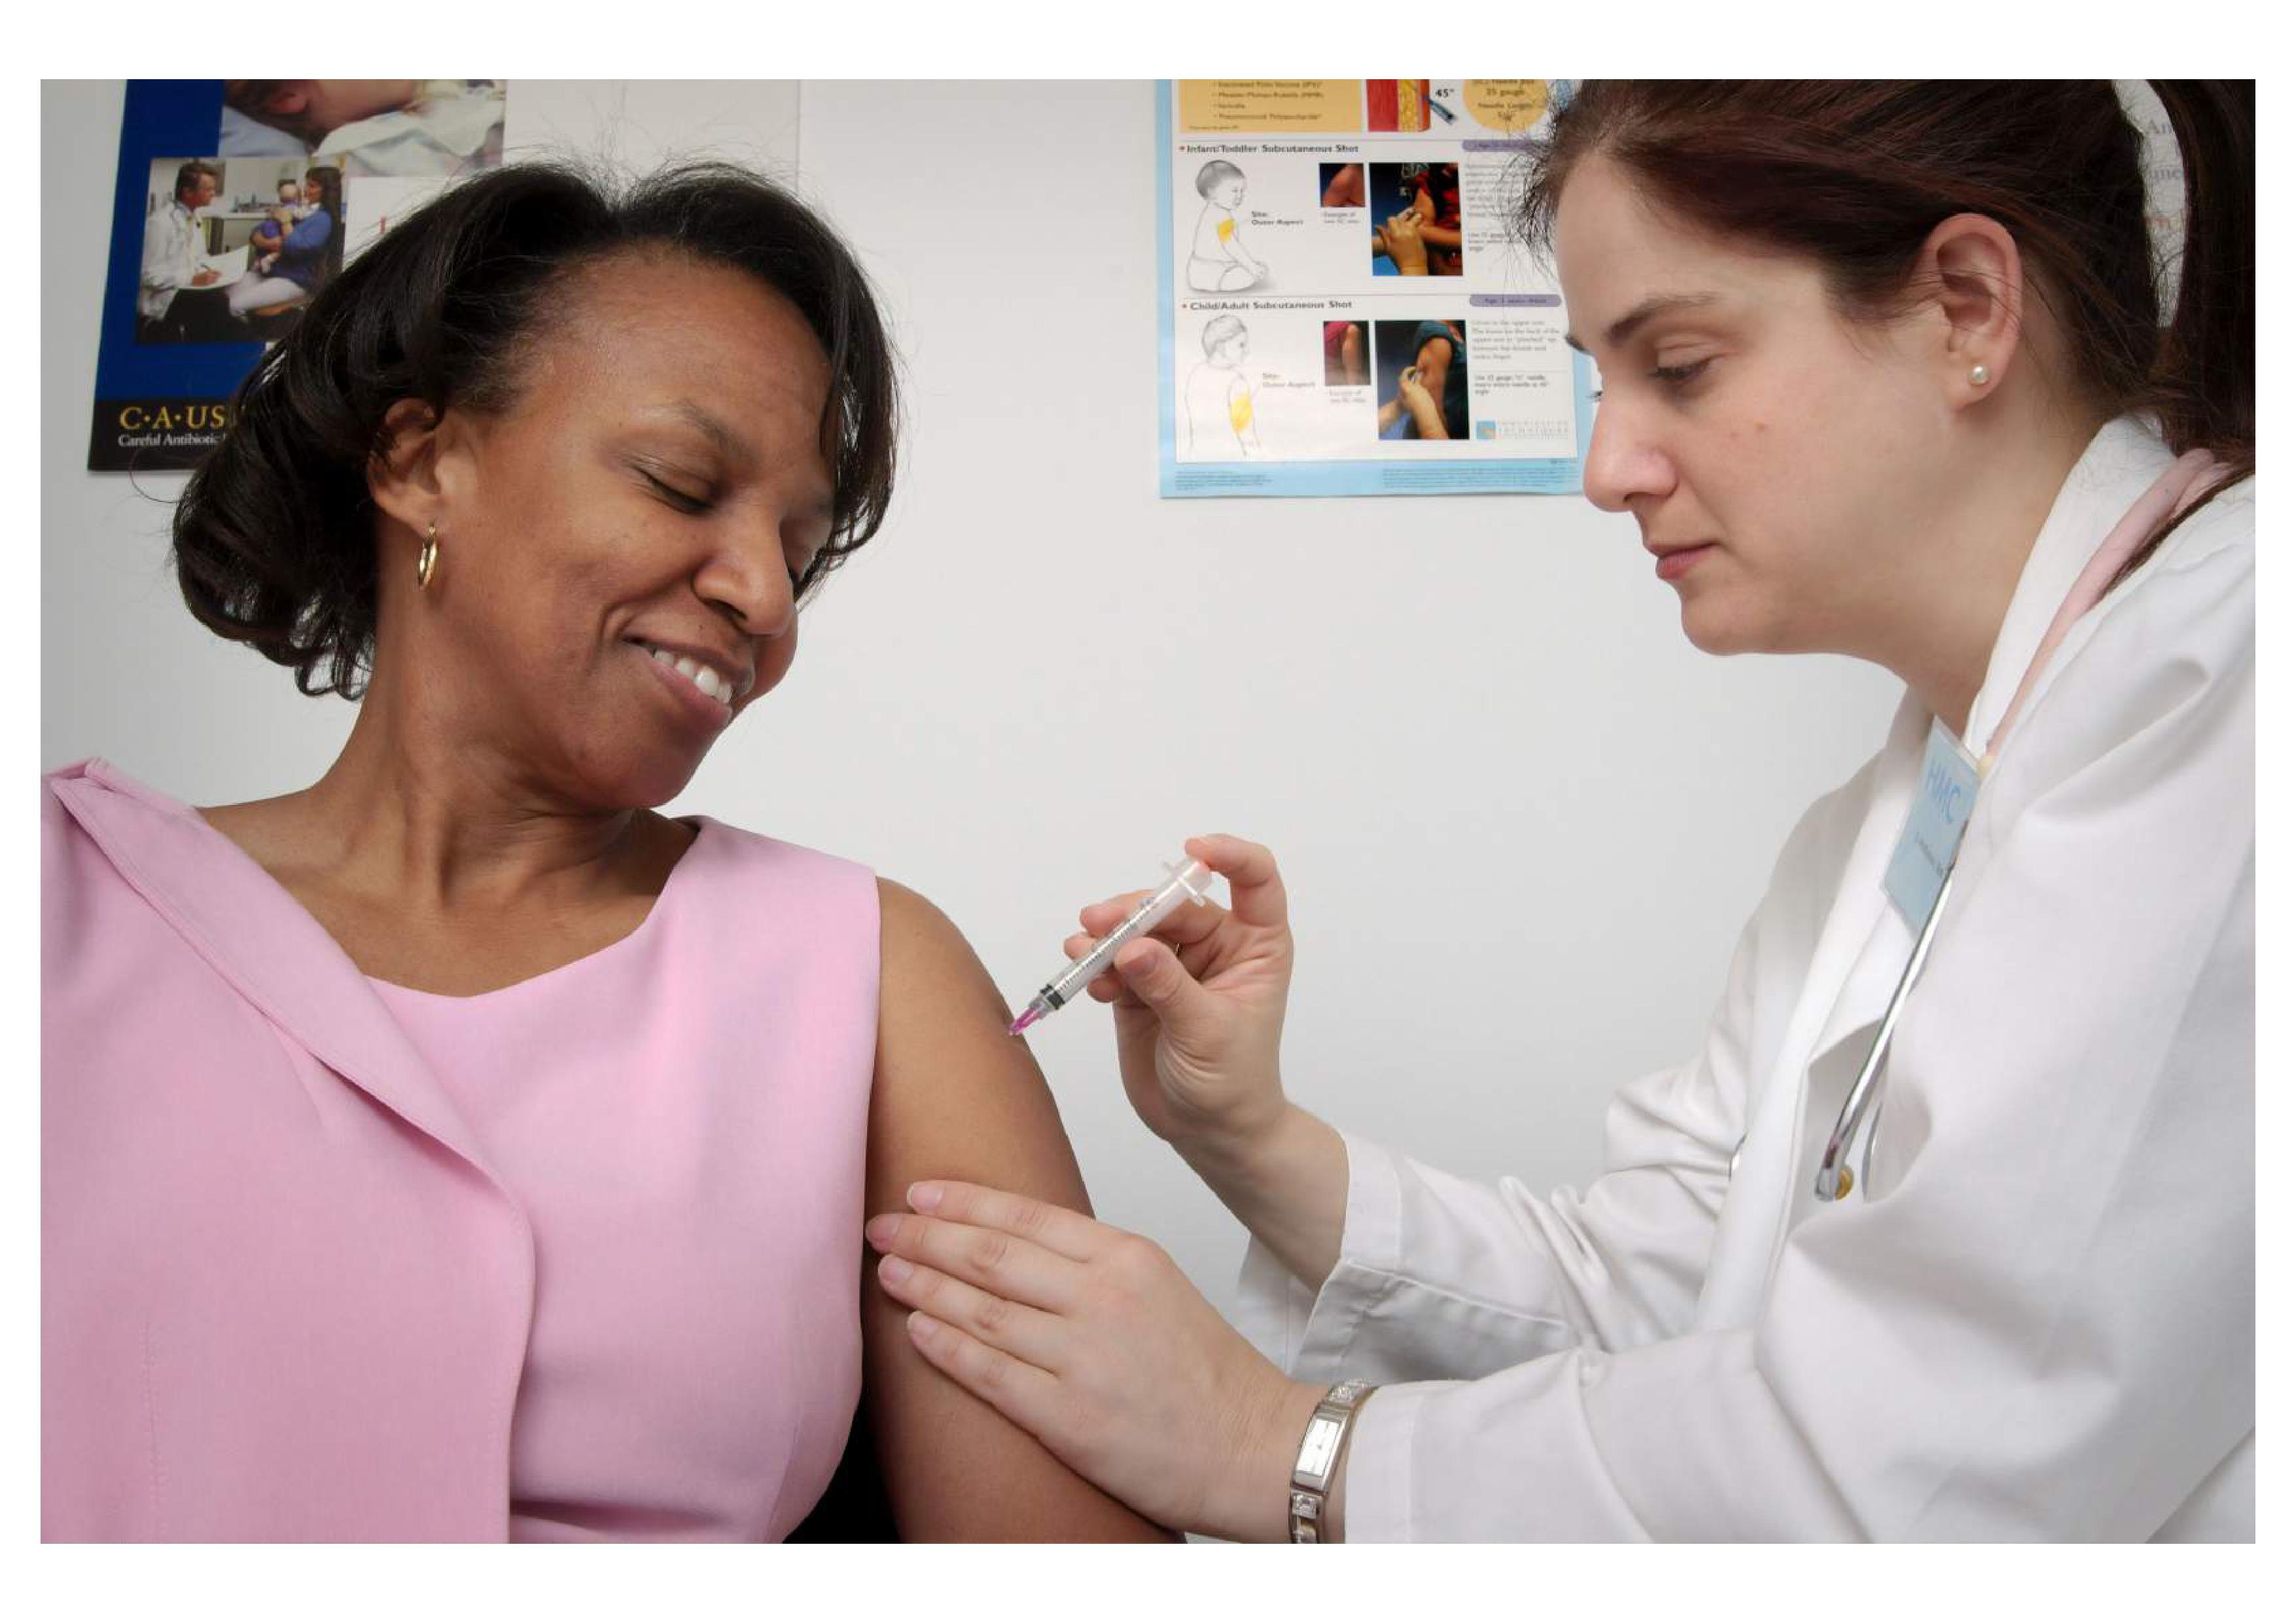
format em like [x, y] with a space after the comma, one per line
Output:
[1315, 1449]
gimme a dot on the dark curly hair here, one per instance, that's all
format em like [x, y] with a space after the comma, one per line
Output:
[274, 532]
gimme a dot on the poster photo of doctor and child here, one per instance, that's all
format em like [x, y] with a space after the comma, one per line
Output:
[235, 243]
[251, 193]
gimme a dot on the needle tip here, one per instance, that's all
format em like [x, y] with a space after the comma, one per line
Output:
[1027, 1020]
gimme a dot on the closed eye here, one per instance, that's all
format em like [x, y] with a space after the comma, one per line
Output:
[681, 500]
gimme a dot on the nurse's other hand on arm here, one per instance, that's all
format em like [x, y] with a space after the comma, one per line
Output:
[953, 1092]
[1411, 392]
[1198, 1013]
[1430, 233]
[1405, 245]
[1094, 1340]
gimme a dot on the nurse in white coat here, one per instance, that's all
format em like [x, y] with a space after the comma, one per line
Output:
[1881, 378]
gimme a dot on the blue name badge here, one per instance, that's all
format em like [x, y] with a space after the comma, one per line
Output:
[1942, 802]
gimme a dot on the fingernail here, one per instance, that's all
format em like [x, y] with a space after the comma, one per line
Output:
[923, 1197]
[882, 1230]
[921, 1328]
[892, 1270]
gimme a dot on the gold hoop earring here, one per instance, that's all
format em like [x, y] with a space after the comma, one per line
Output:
[428, 561]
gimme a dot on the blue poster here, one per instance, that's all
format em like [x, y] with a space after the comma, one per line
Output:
[1346, 307]
[235, 201]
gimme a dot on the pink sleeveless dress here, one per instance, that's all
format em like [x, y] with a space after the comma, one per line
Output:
[691, 1170]
[324, 1259]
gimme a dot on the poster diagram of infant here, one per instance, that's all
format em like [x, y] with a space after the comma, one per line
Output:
[1219, 262]
[1220, 402]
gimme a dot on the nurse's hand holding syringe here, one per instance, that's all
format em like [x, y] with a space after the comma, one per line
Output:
[1091, 1338]
[1199, 1006]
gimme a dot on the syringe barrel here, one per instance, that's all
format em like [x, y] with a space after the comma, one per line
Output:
[1188, 884]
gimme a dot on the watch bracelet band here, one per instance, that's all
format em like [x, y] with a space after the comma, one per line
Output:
[1319, 1452]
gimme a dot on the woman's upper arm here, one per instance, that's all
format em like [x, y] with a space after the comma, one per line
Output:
[955, 1097]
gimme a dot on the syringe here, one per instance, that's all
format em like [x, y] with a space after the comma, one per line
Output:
[1190, 883]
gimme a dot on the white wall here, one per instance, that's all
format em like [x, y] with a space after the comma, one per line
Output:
[1521, 820]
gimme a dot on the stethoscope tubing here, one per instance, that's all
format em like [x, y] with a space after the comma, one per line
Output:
[1833, 1175]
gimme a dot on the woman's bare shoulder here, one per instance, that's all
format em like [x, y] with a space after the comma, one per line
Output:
[933, 985]
[957, 1094]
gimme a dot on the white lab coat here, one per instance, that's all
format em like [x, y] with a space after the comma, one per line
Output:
[2036, 1318]
[173, 243]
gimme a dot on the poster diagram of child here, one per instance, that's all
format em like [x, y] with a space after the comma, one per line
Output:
[1220, 402]
[1219, 262]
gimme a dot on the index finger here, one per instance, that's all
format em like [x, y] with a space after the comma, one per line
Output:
[1065, 1233]
[1255, 889]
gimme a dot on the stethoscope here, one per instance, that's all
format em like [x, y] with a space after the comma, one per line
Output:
[1834, 1179]
[2170, 494]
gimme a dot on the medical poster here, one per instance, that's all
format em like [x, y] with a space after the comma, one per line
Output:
[235, 201]
[1346, 308]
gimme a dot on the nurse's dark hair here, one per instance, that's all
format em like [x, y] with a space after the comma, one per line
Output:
[1856, 174]
[275, 534]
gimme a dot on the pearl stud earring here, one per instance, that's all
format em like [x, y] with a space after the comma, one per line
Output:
[1978, 376]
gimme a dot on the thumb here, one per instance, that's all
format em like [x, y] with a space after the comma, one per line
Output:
[1152, 972]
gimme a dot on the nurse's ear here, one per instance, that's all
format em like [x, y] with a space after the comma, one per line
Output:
[1970, 266]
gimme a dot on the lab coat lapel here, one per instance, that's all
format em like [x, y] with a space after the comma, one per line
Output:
[1867, 944]
[1863, 948]
[264, 943]
[2119, 464]
[1847, 984]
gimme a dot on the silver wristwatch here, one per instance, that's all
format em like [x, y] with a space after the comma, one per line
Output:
[1320, 1452]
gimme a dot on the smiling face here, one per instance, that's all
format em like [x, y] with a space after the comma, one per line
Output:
[619, 549]
[1782, 462]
